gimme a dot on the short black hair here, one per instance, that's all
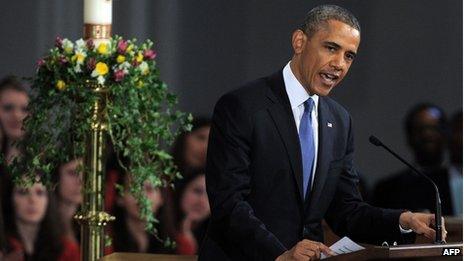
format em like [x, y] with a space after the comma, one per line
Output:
[322, 13]
[409, 120]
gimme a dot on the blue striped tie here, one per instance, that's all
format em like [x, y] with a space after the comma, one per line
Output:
[307, 144]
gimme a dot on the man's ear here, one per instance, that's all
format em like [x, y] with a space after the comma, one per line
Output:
[299, 39]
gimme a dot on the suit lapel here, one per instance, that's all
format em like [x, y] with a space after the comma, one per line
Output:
[282, 116]
[326, 132]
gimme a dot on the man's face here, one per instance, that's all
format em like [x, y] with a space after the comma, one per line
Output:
[428, 138]
[321, 62]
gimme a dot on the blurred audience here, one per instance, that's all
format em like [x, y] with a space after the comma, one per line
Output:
[192, 213]
[129, 230]
[69, 197]
[32, 228]
[189, 152]
[13, 109]
[426, 129]
[190, 147]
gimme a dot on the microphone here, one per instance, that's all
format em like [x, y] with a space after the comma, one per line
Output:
[438, 222]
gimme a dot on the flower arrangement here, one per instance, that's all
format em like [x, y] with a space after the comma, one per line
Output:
[140, 115]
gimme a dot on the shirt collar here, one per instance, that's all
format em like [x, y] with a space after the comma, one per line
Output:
[297, 94]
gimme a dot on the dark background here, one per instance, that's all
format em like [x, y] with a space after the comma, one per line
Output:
[411, 51]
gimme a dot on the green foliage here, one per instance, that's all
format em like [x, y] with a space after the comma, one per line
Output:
[141, 115]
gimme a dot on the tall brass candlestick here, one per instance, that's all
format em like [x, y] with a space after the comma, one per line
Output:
[93, 218]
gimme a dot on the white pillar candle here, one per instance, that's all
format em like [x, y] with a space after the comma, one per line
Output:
[98, 11]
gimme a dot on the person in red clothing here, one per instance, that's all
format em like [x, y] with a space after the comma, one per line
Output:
[69, 196]
[129, 229]
[192, 213]
[31, 225]
[189, 155]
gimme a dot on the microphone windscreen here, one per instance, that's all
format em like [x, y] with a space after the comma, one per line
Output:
[375, 141]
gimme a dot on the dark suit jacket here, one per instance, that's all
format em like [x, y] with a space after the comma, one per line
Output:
[254, 178]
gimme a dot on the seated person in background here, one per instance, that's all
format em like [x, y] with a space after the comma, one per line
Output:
[13, 109]
[190, 148]
[425, 127]
[128, 230]
[192, 213]
[189, 152]
[69, 197]
[32, 228]
[455, 169]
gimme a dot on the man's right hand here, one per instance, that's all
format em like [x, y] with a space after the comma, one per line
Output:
[305, 250]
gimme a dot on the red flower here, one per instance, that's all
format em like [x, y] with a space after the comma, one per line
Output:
[40, 62]
[91, 64]
[59, 42]
[122, 46]
[149, 54]
[119, 75]
[90, 44]
[62, 60]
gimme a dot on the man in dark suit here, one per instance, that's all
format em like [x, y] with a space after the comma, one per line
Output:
[280, 157]
[426, 128]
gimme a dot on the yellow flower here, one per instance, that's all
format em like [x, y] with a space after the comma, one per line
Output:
[101, 68]
[129, 48]
[140, 83]
[139, 57]
[60, 85]
[121, 59]
[102, 48]
[79, 57]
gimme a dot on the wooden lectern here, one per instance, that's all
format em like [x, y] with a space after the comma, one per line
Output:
[419, 251]
[429, 252]
[403, 252]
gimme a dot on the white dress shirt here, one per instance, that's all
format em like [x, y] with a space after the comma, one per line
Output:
[297, 95]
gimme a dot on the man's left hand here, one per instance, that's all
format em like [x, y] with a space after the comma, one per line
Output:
[422, 224]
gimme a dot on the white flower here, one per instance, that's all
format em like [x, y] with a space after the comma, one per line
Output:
[144, 68]
[67, 45]
[80, 45]
[79, 56]
[101, 80]
[77, 68]
[124, 65]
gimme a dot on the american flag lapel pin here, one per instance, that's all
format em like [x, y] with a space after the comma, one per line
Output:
[329, 124]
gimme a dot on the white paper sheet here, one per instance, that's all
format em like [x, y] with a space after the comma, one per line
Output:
[343, 246]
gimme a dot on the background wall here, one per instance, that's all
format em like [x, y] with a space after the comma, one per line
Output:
[411, 51]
